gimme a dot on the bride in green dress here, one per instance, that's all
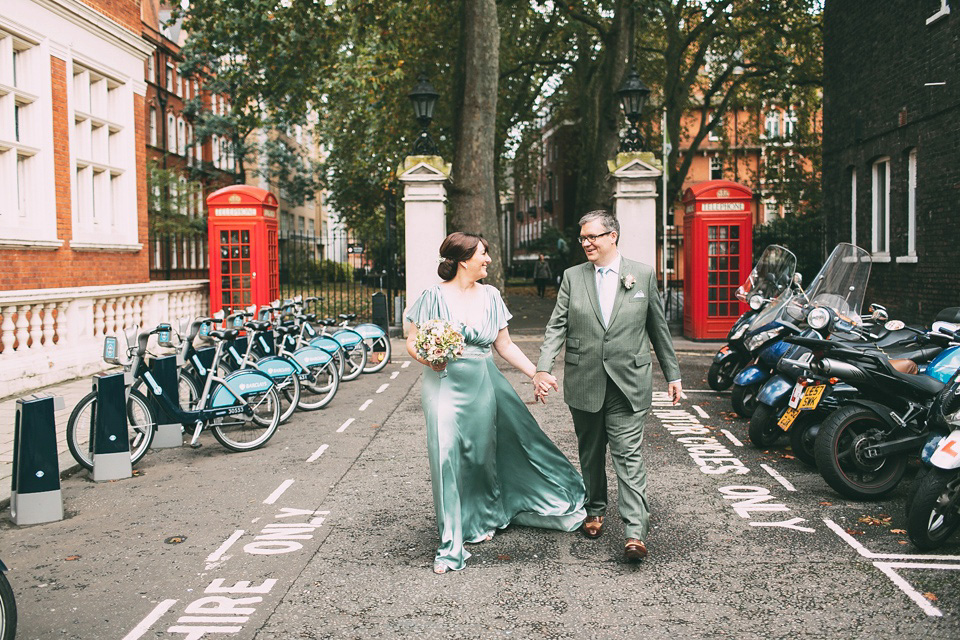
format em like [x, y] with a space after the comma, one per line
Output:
[490, 463]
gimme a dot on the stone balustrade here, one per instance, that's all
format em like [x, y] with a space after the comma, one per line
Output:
[51, 335]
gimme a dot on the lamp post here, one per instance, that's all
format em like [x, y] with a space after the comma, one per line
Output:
[633, 96]
[424, 98]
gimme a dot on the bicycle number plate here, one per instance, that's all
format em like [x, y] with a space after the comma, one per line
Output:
[811, 397]
[787, 418]
[796, 395]
[110, 349]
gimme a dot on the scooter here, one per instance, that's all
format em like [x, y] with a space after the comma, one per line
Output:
[933, 514]
[773, 273]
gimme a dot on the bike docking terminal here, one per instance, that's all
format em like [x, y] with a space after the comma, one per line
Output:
[35, 495]
[111, 443]
[169, 432]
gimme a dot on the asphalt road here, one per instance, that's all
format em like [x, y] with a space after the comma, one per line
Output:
[329, 532]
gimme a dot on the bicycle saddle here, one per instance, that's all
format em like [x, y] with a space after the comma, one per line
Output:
[347, 316]
[328, 322]
[257, 325]
[225, 334]
[286, 329]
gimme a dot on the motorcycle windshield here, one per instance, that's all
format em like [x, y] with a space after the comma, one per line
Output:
[842, 281]
[785, 305]
[771, 275]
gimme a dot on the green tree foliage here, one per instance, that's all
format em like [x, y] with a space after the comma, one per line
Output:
[171, 199]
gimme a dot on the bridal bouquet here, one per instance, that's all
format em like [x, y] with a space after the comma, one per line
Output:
[438, 342]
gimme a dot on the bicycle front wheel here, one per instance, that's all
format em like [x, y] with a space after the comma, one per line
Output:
[288, 389]
[318, 393]
[378, 353]
[141, 424]
[244, 432]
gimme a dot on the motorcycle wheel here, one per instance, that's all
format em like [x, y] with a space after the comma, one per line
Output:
[803, 437]
[763, 429]
[722, 373]
[744, 399]
[838, 450]
[934, 513]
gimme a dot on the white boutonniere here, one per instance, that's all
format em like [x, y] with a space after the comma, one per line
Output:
[628, 281]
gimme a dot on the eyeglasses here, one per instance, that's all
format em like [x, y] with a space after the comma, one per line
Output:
[592, 239]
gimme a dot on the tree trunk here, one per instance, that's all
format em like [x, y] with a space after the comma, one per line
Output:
[473, 196]
[599, 115]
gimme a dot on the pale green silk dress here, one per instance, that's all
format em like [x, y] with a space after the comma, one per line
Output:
[490, 463]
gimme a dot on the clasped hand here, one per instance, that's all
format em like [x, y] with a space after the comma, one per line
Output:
[542, 381]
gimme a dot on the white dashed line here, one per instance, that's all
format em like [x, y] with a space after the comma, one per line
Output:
[318, 453]
[151, 618]
[405, 365]
[366, 404]
[216, 555]
[913, 594]
[394, 375]
[732, 438]
[278, 492]
[383, 387]
[779, 478]
[344, 426]
[703, 414]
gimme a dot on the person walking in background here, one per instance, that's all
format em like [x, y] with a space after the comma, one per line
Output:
[542, 275]
[608, 313]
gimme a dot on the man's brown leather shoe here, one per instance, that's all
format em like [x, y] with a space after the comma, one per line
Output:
[634, 550]
[593, 526]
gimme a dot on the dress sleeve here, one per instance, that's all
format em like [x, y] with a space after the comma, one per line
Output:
[501, 315]
[426, 307]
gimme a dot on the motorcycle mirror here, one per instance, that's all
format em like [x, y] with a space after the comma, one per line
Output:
[880, 315]
[798, 278]
[756, 302]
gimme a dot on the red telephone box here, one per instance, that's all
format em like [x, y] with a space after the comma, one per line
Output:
[244, 269]
[718, 250]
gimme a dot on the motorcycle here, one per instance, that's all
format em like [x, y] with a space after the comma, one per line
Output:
[772, 274]
[862, 447]
[933, 514]
[8, 606]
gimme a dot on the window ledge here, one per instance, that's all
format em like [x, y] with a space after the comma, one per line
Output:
[105, 246]
[880, 257]
[41, 245]
[907, 259]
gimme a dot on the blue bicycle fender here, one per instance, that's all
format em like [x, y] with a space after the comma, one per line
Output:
[308, 357]
[326, 343]
[275, 367]
[242, 383]
[750, 375]
[347, 338]
[775, 392]
[369, 331]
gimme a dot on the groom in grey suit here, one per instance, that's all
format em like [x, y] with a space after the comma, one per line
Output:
[609, 313]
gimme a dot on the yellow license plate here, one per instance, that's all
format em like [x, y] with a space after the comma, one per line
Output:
[787, 418]
[811, 397]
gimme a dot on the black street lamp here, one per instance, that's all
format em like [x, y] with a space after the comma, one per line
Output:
[424, 98]
[633, 96]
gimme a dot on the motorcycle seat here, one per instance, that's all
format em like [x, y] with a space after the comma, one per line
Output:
[922, 383]
[903, 365]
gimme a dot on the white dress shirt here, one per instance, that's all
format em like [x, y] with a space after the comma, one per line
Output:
[608, 278]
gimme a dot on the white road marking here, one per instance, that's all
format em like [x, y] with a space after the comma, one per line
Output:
[702, 391]
[216, 555]
[703, 414]
[866, 553]
[394, 375]
[278, 492]
[732, 438]
[318, 453]
[907, 588]
[220, 619]
[151, 618]
[344, 426]
[405, 365]
[779, 478]
[383, 387]
[366, 404]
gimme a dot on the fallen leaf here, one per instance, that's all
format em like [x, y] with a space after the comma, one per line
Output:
[901, 542]
[900, 531]
[374, 426]
[854, 532]
[70, 558]
[787, 456]
[137, 472]
[175, 539]
[503, 556]
[880, 521]
[826, 504]
[929, 596]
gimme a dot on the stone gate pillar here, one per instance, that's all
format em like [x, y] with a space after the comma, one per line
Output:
[635, 178]
[424, 181]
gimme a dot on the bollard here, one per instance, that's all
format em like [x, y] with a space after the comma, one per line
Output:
[111, 440]
[169, 430]
[35, 484]
[380, 311]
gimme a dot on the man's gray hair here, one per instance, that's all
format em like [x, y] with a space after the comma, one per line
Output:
[607, 219]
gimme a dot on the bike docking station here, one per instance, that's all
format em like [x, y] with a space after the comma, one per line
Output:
[111, 442]
[169, 430]
[35, 495]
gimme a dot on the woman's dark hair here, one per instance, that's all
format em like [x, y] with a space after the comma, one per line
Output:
[456, 248]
